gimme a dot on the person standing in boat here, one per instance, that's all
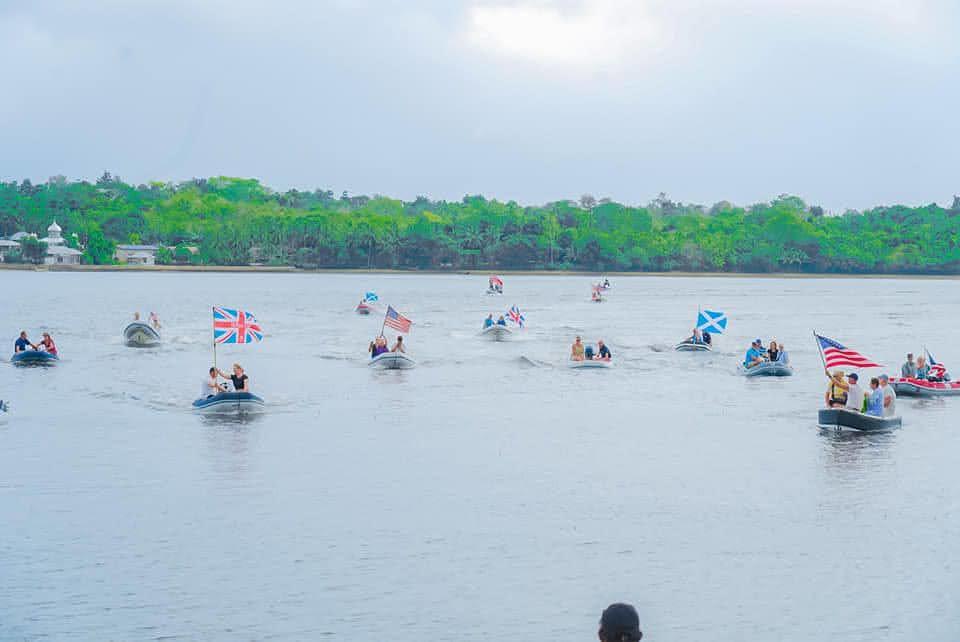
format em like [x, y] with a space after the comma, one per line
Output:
[576, 350]
[875, 399]
[241, 383]
[210, 386]
[22, 343]
[889, 397]
[47, 344]
[603, 352]
[909, 369]
[836, 395]
[398, 346]
[855, 394]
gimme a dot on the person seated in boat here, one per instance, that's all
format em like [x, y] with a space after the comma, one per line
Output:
[836, 395]
[773, 352]
[909, 369]
[754, 356]
[241, 383]
[782, 357]
[577, 350]
[889, 396]
[603, 352]
[211, 386]
[398, 346]
[707, 339]
[923, 370]
[695, 337]
[47, 344]
[595, 297]
[588, 353]
[502, 321]
[154, 321]
[136, 316]
[855, 394]
[606, 283]
[875, 399]
[22, 343]
[378, 346]
[488, 321]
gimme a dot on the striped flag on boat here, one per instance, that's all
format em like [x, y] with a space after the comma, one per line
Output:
[235, 326]
[937, 369]
[837, 354]
[397, 321]
[514, 315]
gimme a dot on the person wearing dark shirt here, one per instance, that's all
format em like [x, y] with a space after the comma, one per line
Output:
[501, 321]
[241, 383]
[603, 351]
[22, 343]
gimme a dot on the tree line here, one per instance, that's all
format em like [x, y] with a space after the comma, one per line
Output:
[237, 221]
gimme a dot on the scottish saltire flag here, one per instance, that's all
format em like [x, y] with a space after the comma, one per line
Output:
[235, 326]
[397, 321]
[836, 354]
[712, 322]
[514, 315]
[370, 297]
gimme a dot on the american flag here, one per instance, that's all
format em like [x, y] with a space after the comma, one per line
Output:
[397, 321]
[514, 315]
[235, 326]
[836, 354]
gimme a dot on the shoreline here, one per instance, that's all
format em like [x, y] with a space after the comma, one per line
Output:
[22, 267]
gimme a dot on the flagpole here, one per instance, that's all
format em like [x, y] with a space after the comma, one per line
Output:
[820, 350]
[384, 325]
[214, 347]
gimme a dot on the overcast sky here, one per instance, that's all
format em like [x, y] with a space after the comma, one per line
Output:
[847, 103]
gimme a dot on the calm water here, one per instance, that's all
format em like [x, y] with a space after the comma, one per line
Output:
[489, 494]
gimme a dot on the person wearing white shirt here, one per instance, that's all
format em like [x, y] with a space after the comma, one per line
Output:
[855, 393]
[889, 397]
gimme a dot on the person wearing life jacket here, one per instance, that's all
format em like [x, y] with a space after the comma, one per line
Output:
[836, 395]
[488, 321]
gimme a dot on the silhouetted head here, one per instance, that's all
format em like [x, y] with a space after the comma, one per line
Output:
[619, 623]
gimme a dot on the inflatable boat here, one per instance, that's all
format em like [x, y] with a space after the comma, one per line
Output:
[590, 363]
[843, 419]
[767, 369]
[909, 387]
[34, 358]
[232, 403]
[141, 335]
[364, 308]
[496, 332]
[392, 361]
[690, 346]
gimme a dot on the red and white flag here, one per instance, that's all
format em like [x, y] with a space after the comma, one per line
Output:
[836, 354]
[397, 321]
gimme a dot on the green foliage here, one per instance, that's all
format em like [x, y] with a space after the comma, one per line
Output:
[234, 221]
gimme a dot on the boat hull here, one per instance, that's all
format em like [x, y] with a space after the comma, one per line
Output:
[923, 388]
[767, 369]
[392, 361]
[496, 333]
[229, 403]
[34, 358]
[140, 335]
[689, 346]
[590, 363]
[842, 419]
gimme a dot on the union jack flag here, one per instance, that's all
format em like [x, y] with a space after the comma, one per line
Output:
[514, 315]
[397, 321]
[235, 326]
[937, 369]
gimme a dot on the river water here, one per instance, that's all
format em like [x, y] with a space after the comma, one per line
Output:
[490, 493]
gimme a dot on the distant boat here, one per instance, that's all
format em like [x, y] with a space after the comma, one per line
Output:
[910, 387]
[689, 345]
[496, 332]
[141, 335]
[229, 403]
[495, 286]
[392, 361]
[364, 308]
[840, 419]
[590, 363]
[34, 358]
[767, 369]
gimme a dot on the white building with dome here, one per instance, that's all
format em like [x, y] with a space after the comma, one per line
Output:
[57, 251]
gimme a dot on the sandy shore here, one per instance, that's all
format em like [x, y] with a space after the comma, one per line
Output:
[293, 270]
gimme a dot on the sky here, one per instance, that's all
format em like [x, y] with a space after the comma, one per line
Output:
[846, 103]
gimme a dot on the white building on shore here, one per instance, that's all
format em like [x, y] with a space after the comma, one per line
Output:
[57, 251]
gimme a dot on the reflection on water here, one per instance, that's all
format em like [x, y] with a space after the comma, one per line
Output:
[517, 494]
